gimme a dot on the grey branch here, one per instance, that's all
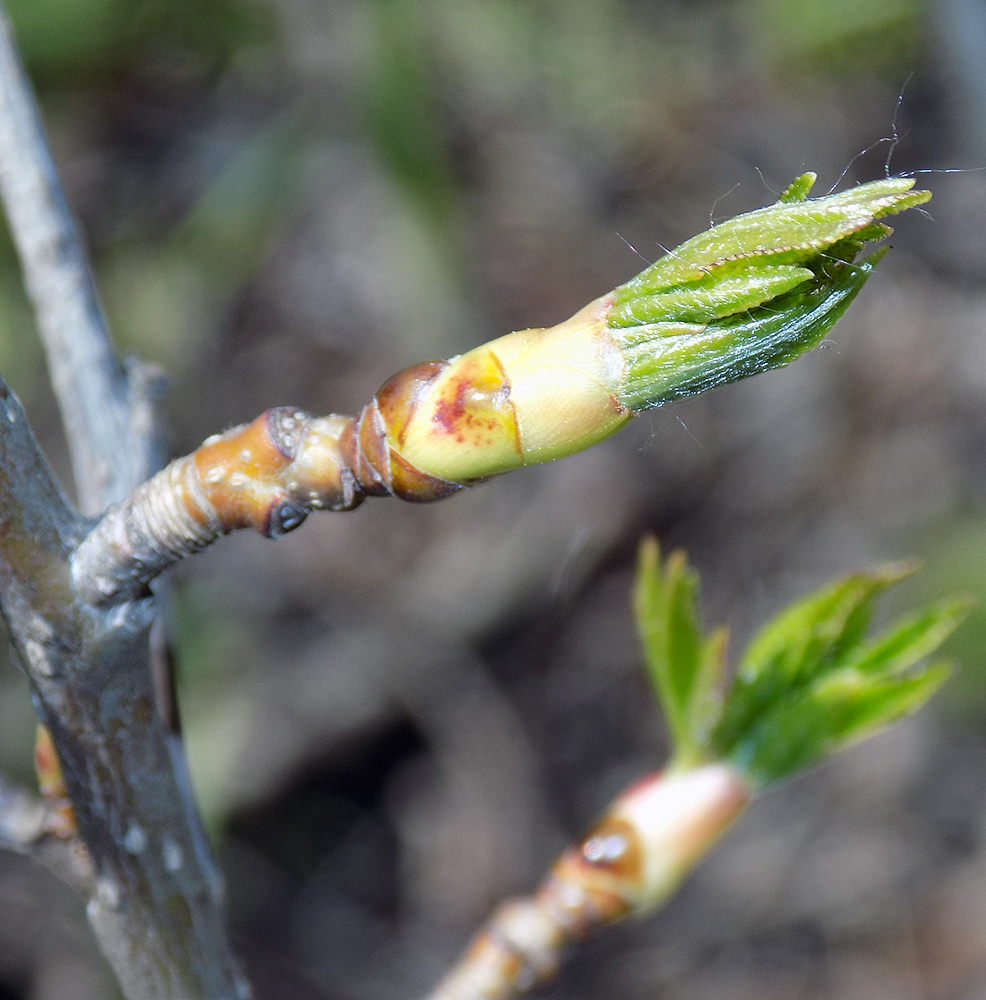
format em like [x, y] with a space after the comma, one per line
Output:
[155, 895]
[156, 905]
[107, 409]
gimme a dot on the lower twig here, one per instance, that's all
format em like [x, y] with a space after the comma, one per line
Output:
[627, 865]
[26, 825]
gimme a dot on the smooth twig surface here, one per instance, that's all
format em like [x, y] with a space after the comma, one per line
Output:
[107, 409]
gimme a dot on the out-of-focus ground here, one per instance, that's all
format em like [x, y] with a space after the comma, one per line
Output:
[396, 717]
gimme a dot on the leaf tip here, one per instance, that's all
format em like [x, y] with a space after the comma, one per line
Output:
[798, 189]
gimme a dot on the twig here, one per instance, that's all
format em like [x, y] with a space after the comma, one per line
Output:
[626, 866]
[718, 309]
[107, 409]
[25, 824]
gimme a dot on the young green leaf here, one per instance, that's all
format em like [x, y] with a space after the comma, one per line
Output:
[685, 671]
[751, 293]
[913, 638]
[798, 189]
[671, 360]
[810, 683]
[801, 641]
[840, 711]
[787, 232]
[818, 628]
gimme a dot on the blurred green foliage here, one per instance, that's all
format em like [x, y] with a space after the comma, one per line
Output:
[955, 556]
[78, 40]
[403, 113]
[840, 36]
[160, 297]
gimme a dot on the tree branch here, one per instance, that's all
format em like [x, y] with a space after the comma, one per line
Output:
[717, 309]
[155, 894]
[156, 907]
[107, 409]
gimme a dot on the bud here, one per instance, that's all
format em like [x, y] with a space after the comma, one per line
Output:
[750, 294]
[747, 295]
[529, 397]
[647, 842]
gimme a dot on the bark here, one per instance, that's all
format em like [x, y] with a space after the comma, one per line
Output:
[107, 407]
[155, 901]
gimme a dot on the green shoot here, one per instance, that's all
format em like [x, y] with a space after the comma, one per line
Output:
[752, 293]
[811, 683]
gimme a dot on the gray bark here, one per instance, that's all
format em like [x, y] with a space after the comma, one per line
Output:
[107, 408]
[156, 898]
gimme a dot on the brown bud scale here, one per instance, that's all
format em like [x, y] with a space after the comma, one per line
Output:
[371, 449]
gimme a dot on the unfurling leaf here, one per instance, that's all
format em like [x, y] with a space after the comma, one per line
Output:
[809, 684]
[685, 670]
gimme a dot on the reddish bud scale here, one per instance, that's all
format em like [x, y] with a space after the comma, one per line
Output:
[529, 397]
[367, 446]
[268, 474]
[589, 884]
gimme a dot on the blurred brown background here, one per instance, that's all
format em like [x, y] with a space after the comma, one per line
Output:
[398, 716]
